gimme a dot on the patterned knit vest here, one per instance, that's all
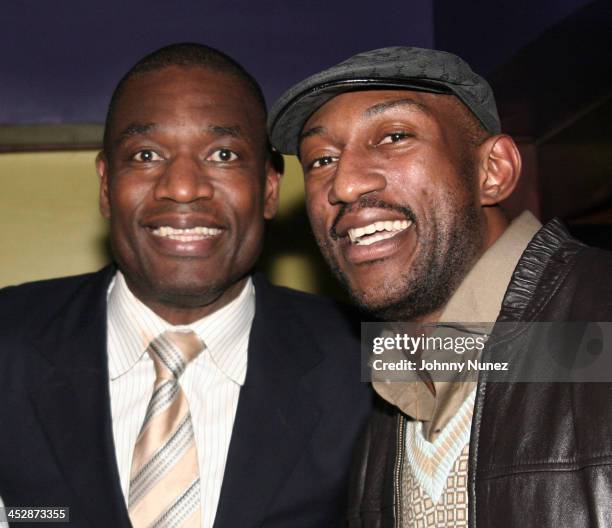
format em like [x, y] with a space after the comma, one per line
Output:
[434, 474]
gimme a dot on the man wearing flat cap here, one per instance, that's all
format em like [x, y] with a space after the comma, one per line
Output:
[405, 166]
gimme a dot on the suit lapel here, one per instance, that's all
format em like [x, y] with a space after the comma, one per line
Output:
[275, 417]
[71, 395]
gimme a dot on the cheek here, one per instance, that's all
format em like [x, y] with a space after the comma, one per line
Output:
[317, 204]
[125, 200]
[419, 182]
[246, 201]
[318, 215]
[245, 206]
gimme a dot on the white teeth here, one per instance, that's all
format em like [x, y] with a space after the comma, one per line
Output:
[186, 235]
[376, 238]
[380, 230]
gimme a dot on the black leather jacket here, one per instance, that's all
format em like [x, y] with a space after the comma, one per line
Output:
[540, 453]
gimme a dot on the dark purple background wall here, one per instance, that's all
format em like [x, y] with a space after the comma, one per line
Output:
[59, 60]
[487, 33]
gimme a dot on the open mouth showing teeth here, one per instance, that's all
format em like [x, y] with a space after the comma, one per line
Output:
[377, 231]
[186, 235]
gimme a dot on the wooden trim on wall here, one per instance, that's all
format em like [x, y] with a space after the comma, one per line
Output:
[50, 137]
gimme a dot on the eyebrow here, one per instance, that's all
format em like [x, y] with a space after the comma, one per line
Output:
[311, 132]
[137, 129]
[379, 108]
[134, 129]
[219, 130]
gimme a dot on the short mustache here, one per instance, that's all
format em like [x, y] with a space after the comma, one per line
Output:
[369, 203]
[195, 207]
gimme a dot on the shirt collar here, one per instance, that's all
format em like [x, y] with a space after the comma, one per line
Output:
[132, 326]
[479, 297]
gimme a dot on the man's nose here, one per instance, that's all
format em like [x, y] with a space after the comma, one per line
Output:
[356, 175]
[184, 180]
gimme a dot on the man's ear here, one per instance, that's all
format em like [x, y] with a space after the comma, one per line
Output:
[500, 168]
[274, 172]
[102, 170]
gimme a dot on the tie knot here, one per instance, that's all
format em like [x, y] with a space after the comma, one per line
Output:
[172, 351]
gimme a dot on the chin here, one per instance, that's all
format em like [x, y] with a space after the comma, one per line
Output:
[380, 307]
[372, 299]
[389, 301]
[188, 293]
[170, 289]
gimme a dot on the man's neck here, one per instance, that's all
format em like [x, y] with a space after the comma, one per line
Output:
[178, 312]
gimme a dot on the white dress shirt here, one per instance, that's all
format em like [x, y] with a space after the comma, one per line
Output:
[211, 382]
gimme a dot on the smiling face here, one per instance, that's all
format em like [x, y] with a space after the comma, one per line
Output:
[186, 187]
[393, 198]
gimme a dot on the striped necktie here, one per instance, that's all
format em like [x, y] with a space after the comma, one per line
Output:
[165, 477]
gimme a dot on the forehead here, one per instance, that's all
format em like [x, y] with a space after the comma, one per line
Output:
[351, 107]
[177, 94]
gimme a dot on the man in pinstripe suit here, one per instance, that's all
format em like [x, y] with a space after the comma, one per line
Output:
[187, 180]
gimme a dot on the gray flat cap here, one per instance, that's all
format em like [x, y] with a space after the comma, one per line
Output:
[398, 67]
